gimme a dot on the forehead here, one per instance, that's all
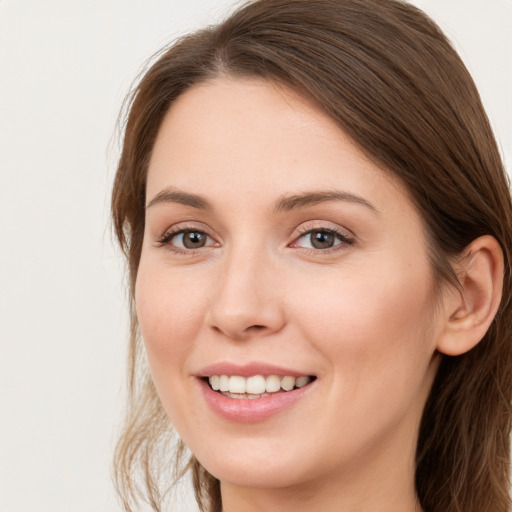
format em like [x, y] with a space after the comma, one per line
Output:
[260, 140]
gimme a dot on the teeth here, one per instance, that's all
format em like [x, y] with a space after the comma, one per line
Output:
[256, 386]
[223, 383]
[245, 395]
[300, 382]
[236, 384]
[273, 384]
[215, 382]
[288, 383]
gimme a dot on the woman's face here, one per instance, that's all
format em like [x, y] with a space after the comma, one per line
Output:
[273, 248]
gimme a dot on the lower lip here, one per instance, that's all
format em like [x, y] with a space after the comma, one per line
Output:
[247, 410]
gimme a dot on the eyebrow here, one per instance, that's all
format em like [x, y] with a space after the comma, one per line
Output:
[312, 198]
[173, 195]
[284, 204]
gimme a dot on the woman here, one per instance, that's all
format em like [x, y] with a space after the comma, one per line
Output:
[317, 224]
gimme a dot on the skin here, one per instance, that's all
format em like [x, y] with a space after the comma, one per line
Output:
[361, 316]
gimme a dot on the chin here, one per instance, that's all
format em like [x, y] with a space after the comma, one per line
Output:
[263, 462]
[272, 474]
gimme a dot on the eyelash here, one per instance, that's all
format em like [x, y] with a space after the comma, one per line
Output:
[165, 240]
[344, 240]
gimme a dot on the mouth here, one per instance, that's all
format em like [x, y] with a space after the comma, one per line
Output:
[256, 386]
[253, 392]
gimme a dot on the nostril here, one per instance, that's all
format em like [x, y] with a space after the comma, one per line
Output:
[255, 328]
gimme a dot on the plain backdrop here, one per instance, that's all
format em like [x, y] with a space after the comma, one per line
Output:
[65, 67]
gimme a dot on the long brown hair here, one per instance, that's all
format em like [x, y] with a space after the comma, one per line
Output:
[389, 77]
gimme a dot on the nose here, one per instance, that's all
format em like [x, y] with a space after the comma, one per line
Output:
[246, 301]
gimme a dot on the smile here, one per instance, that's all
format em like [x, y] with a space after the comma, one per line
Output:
[254, 396]
[256, 386]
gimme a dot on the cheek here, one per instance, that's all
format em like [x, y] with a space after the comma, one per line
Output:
[372, 326]
[374, 334]
[169, 311]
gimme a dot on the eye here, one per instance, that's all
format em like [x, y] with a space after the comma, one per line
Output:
[187, 239]
[190, 239]
[321, 239]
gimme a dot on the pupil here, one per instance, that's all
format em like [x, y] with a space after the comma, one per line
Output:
[322, 240]
[193, 239]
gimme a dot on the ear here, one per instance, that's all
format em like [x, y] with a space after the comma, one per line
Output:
[470, 311]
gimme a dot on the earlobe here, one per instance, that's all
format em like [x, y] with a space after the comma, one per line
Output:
[471, 310]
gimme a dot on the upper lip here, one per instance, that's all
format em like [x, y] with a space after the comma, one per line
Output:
[248, 370]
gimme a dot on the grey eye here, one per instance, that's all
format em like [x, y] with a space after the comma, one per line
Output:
[319, 239]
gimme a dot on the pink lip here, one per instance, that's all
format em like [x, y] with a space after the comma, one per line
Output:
[247, 370]
[246, 410]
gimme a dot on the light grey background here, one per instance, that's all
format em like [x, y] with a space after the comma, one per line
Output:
[65, 67]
